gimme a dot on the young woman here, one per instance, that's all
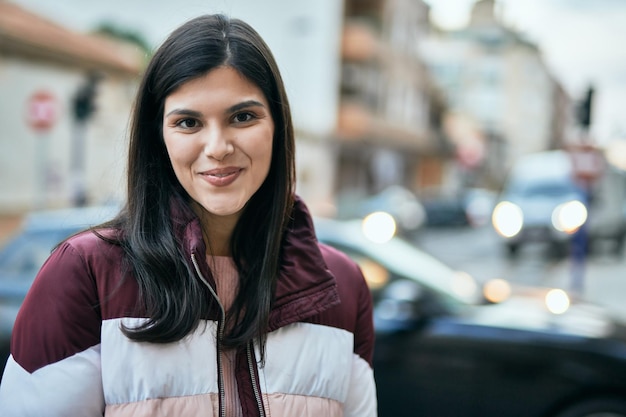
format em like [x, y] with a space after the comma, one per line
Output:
[209, 293]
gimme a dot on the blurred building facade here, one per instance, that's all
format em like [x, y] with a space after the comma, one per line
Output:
[45, 150]
[305, 38]
[379, 98]
[503, 100]
[366, 112]
[389, 128]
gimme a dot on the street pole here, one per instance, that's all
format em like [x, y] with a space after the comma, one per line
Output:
[578, 252]
[587, 167]
[42, 111]
[84, 108]
[77, 165]
[43, 171]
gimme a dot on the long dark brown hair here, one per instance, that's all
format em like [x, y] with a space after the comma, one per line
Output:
[174, 297]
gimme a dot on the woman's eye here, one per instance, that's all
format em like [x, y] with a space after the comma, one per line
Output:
[243, 117]
[187, 123]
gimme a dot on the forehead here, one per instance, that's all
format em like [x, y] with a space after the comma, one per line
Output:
[220, 85]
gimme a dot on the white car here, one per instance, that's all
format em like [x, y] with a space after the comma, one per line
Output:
[542, 202]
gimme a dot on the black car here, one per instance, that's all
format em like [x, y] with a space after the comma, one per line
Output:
[441, 350]
[23, 255]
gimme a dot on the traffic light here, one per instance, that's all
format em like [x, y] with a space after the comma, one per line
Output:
[584, 109]
[84, 100]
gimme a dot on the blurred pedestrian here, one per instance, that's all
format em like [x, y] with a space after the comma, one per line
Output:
[209, 293]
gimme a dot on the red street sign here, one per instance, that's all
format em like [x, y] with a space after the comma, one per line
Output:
[41, 110]
[587, 162]
[471, 152]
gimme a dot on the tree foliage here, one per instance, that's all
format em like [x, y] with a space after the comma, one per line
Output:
[128, 35]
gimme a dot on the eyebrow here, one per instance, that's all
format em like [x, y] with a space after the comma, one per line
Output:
[184, 112]
[232, 109]
[244, 105]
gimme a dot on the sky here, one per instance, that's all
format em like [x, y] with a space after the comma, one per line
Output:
[580, 39]
[581, 44]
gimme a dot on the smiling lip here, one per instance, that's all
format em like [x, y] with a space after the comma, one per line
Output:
[221, 177]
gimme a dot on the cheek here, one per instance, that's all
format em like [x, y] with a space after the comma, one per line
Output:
[178, 154]
[263, 158]
[264, 148]
[180, 162]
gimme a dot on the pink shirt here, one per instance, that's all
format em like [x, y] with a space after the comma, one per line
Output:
[227, 281]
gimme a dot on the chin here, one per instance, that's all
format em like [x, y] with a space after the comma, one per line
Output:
[224, 209]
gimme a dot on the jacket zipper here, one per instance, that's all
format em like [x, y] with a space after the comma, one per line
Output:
[220, 335]
[257, 394]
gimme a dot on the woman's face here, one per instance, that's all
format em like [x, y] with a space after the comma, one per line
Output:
[218, 131]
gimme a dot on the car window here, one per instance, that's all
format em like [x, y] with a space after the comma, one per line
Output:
[399, 260]
[552, 190]
[376, 274]
[24, 255]
[405, 261]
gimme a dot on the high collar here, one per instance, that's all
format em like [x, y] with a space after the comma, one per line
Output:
[305, 286]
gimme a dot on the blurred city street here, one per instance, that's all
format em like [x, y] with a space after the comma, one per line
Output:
[490, 134]
[479, 252]
[397, 107]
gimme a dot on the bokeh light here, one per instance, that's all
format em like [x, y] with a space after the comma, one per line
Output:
[507, 219]
[557, 301]
[379, 227]
[497, 290]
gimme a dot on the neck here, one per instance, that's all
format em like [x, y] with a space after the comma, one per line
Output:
[217, 241]
[216, 231]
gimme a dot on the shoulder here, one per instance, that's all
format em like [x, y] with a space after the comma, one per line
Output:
[90, 246]
[78, 272]
[89, 240]
[75, 262]
[59, 315]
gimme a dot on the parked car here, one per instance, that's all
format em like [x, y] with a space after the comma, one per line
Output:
[479, 203]
[445, 211]
[441, 350]
[24, 254]
[542, 202]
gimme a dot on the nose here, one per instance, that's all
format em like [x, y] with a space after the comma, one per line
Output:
[217, 144]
